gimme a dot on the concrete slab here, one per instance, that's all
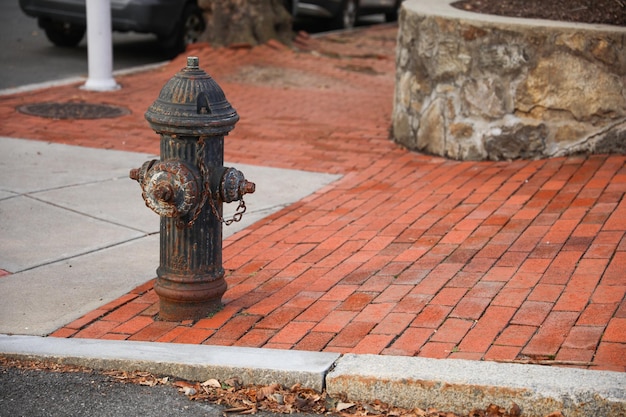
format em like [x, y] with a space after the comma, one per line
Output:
[461, 385]
[6, 194]
[27, 166]
[41, 300]
[192, 362]
[76, 233]
[36, 233]
[116, 201]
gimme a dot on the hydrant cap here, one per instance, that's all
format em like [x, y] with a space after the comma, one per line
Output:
[192, 103]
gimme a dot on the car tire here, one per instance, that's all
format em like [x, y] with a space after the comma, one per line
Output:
[348, 13]
[392, 16]
[63, 34]
[187, 31]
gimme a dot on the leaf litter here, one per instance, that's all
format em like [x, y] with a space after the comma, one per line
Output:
[239, 399]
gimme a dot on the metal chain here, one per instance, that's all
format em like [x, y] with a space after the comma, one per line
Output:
[208, 195]
[236, 216]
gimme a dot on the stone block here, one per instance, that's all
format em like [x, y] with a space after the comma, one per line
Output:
[473, 86]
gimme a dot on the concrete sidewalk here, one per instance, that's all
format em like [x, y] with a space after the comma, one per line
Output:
[77, 234]
[374, 250]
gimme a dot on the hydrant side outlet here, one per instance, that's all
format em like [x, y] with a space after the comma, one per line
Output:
[187, 187]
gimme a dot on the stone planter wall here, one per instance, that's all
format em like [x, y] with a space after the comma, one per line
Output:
[472, 86]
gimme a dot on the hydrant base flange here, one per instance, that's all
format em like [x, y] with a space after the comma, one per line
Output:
[185, 301]
[177, 311]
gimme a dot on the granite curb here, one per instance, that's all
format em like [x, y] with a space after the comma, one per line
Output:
[410, 382]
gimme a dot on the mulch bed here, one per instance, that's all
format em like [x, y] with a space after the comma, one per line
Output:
[610, 12]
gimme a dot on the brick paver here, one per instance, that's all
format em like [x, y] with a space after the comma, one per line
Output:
[406, 254]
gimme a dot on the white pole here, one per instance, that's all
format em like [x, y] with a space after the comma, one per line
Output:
[99, 47]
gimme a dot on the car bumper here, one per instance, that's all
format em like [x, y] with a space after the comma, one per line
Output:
[322, 8]
[147, 16]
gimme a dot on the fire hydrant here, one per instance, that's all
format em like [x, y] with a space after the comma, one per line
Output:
[187, 187]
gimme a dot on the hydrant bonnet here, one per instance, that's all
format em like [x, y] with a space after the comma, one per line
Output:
[192, 103]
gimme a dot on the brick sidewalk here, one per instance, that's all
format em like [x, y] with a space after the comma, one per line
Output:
[407, 254]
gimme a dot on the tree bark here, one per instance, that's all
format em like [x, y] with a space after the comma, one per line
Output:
[251, 22]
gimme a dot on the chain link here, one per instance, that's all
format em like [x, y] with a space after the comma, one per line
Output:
[238, 214]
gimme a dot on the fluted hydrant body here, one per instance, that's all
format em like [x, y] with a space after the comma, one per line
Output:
[187, 187]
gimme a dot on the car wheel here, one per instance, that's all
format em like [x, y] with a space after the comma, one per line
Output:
[63, 34]
[348, 13]
[392, 15]
[188, 30]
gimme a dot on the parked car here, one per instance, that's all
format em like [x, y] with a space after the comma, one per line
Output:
[175, 22]
[343, 14]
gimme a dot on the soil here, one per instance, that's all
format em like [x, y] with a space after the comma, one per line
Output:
[610, 12]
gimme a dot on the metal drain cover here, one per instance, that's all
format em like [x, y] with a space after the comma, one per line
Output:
[73, 110]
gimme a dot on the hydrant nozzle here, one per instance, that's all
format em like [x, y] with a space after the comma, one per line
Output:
[249, 187]
[134, 174]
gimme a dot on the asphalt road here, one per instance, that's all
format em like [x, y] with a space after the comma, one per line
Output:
[43, 393]
[27, 57]
[40, 393]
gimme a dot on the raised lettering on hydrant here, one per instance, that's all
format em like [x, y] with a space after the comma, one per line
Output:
[187, 187]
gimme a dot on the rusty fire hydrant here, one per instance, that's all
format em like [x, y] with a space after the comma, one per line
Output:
[187, 187]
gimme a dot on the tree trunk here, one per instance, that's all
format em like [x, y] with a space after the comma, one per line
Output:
[250, 22]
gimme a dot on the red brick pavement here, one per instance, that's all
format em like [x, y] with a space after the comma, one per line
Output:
[406, 254]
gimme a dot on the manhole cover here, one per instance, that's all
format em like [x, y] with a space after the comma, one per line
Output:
[73, 110]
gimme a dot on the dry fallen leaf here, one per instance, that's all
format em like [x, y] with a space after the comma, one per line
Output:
[234, 382]
[266, 392]
[344, 406]
[183, 384]
[212, 383]
[240, 410]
